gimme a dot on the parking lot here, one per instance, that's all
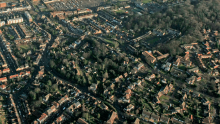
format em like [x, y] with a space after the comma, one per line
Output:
[74, 4]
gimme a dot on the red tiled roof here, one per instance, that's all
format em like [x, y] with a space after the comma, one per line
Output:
[43, 116]
[7, 69]
[13, 76]
[4, 78]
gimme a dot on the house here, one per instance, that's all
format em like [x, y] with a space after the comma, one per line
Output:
[13, 76]
[46, 98]
[93, 87]
[103, 106]
[139, 66]
[111, 118]
[129, 108]
[154, 118]
[187, 46]
[150, 77]
[70, 109]
[3, 79]
[162, 56]
[138, 82]
[166, 66]
[164, 80]
[7, 70]
[183, 60]
[164, 119]
[60, 119]
[77, 104]
[191, 80]
[51, 110]
[55, 104]
[2, 87]
[165, 90]
[193, 70]
[42, 118]
[36, 62]
[146, 115]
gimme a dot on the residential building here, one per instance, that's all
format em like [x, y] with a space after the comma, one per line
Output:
[111, 118]
[16, 20]
[149, 56]
[28, 16]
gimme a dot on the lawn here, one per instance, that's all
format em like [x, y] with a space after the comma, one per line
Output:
[120, 11]
[153, 40]
[146, 1]
[115, 44]
[25, 48]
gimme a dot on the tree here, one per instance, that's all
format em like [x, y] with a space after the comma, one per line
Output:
[32, 95]
[49, 83]
[52, 64]
[105, 75]
[54, 88]
[37, 90]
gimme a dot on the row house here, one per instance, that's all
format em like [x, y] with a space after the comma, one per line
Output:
[80, 18]
[187, 46]
[63, 99]
[193, 70]
[13, 76]
[42, 118]
[16, 32]
[149, 56]
[15, 108]
[142, 37]
[25, 40]
[60, 119]
[163, 56]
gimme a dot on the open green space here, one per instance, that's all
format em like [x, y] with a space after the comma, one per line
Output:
[153, 40]
[25, 47]
[115, 44]
[120, 11]
[146, 1]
